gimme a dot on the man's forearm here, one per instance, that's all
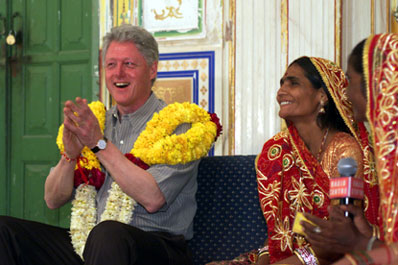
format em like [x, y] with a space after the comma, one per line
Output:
[59, 184]
[133, 180]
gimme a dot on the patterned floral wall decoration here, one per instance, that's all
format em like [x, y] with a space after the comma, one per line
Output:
[172, 19]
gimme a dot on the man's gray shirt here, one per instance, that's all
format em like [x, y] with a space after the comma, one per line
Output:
[178, 182]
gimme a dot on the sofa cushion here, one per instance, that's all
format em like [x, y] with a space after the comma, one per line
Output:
[228, 221]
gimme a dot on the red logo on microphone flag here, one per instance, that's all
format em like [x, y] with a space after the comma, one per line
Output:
[346, 187]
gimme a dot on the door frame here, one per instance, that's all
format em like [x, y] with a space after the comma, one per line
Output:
[4, 115]
[95, 49]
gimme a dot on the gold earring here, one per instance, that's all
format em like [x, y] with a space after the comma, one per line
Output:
[322, 109]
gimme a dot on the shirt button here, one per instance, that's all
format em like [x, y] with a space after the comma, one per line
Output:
[121, 142]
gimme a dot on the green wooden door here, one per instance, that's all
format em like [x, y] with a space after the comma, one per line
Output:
[53, 61]
[3, 106]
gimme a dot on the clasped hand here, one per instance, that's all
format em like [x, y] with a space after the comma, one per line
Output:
[339, 234]
[81, 127]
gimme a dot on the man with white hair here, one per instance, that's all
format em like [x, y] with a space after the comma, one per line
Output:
[165, 205]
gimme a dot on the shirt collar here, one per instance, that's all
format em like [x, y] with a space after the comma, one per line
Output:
[149, 107]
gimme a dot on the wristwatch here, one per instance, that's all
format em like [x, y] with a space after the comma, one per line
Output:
[101, 145]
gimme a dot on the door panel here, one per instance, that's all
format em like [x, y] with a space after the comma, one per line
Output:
[39, 119]
[40, 25]
[75, 25]
[75, 79]
[52, 64]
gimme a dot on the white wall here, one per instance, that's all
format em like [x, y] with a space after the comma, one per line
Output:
[358, 24]
[266, 36]
[313, 27]
[260, 61]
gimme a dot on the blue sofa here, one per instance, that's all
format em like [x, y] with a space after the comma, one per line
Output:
[228, 221]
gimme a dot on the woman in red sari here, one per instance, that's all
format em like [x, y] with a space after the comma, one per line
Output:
[373, 89]
[294, 167]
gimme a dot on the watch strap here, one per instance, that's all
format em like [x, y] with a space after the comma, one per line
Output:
[96, 148]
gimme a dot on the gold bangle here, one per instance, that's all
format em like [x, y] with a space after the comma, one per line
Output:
[313, 253]
[299, 257]
[306, 255]
[351, 259]
[375, 231]
[262, 254]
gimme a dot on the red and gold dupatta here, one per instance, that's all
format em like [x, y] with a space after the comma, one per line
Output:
[380, 62]
[290, 179]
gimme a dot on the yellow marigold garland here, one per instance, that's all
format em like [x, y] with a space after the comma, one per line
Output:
[155, 145]
[99, 111]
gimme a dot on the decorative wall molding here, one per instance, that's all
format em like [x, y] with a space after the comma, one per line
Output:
[123, 11]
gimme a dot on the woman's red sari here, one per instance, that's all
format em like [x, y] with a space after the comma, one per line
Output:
[380, 62]
[290, 179]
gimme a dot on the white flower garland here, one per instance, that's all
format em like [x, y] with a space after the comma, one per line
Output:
[119, 206]
[84, 215]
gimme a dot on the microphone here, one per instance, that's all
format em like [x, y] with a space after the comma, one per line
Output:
[346, 189]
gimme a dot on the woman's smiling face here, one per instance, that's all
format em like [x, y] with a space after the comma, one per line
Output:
[298, 99]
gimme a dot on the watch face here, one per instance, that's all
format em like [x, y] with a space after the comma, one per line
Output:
[101, 144]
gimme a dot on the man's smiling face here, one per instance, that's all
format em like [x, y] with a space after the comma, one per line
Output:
[128, 76]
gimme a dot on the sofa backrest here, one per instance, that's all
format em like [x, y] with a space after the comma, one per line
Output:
[228, 221]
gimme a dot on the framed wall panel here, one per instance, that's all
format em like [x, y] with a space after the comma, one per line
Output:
[199, 66]
[172, 19]
[187, 76]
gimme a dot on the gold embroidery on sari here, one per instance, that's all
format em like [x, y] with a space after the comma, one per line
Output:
[274, 152]
[298, 196]
[283, 233]
[318, 198]
[380, 71]
[287, 162]
[271, 194]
